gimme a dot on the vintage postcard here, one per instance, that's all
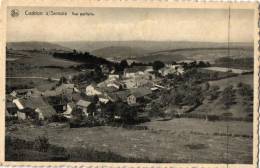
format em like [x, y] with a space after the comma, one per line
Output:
[129, 84]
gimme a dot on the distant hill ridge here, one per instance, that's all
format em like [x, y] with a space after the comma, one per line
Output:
[149, 46]
[36, 45]
[119, 52]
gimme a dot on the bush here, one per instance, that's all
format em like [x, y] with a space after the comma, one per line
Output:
[245, 90]
[41, 144]
[228, 96]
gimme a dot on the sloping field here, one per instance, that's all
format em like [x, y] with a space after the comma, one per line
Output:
[222, 83]
[177, 140]
[205, 54]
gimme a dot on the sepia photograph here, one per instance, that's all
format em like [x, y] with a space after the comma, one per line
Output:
[130, 84]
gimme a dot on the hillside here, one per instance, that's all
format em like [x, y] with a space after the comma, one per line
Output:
[153, 49]
[151, 46]
[119, 52]
[35, 45]
[206, 54]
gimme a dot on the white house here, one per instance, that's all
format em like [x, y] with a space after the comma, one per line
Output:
[103, 99]
[112, 77]
[174, 69]
[84, 106]
[70, 107]
[18, 104]
[92, 91]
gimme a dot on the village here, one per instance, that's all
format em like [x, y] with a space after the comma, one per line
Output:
[134, 88]
[130, 96]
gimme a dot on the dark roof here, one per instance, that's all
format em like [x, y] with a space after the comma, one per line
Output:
[76, 97]
[47, 111]
[120, 95]
[24, 91]
[10, 105]
[48, 93]
[140, 92]
[9, 97]
[33, 102]
[108, 89]
[64, 87]
[72, 104]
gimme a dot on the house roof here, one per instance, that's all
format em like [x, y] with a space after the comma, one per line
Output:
[48, 93]
[120, 95]
[76, 97]
[108, 89]
[83, 103]
[140, 92]
[72, 104]
[64, 87]
[24, 91]
[9, 97]
[34, 102]
[47, 111]
[10, 105]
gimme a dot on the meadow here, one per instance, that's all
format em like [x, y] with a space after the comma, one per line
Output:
[178, 140]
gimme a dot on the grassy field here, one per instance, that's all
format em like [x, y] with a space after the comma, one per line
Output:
[35, 64]
[247, 79]
[177, 140]
[205, 54]
[242, 108]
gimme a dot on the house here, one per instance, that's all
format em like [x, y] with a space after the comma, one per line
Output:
[105, 69]
[131, 96]
[108, 90]
[138, 95]
[116, 84]
[25, 93]
[174, 69]
[77, 96]
[112, 77]
[50, 93]
[19, 104]
[33, 107]
[9, 98]
[59, 103]
[65, 88]
[137, 70]
[85, 107]
[136, 82]
[103, 99]
[68, 112]
[11, 109]
[119, 96]
[111, 83]
[92, 91]
[45, 112]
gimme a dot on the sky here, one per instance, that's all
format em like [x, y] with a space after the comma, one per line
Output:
[125, 24]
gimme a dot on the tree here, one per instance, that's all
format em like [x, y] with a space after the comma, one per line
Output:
[206, 86]
[245, 90]
[124, 64]
[62, 80]
[158, 65]
[228, 96]
[213, 93]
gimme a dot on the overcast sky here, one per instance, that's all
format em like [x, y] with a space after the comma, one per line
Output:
[123, 24]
